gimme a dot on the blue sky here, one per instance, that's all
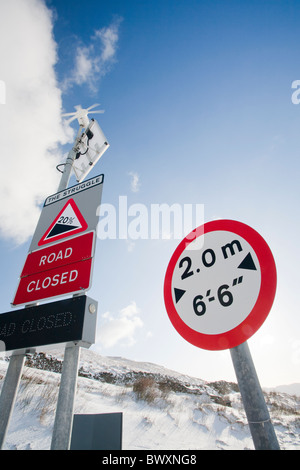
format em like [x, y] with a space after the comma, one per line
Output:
[198, 110]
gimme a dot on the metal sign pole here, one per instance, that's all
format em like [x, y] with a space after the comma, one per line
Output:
[62, 430]
[261, 427]
[64, 411]
[61, 435]
[9, 393]
[236, 249]
[64, 181]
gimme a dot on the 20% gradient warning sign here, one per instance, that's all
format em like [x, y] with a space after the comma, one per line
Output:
[220, 284]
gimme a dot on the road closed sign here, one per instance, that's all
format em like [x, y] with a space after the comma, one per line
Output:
[57, 270]
[60, 257]
[220, 285]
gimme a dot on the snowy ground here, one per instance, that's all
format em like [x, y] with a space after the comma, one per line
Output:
[200, 416]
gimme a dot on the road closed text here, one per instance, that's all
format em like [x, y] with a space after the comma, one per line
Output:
[57, 322]
[74, 277]
[53, 281]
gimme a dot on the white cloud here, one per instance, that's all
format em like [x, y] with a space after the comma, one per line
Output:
[32, 132]
[134, 182]
[83, 66]
[121, 327]
[31, 128]
[109, 37]
[93, 61]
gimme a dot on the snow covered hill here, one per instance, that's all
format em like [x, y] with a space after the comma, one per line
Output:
[162, 409]
[291, 389]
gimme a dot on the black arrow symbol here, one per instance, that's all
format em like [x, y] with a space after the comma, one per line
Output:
[247, 263]
[178, 294]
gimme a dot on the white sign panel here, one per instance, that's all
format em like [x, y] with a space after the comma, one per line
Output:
[69, 212]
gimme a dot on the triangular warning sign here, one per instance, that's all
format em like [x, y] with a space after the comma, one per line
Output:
[68, 222]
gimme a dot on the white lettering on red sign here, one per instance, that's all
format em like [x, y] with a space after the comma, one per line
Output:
[55, 256]
[53, 281]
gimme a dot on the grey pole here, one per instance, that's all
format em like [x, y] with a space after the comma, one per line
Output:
[261, 427]
[61, 436]
[9, 393]
[64, 181]
[62, 430]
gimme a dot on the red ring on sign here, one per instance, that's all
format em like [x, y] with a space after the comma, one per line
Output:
[263, 304]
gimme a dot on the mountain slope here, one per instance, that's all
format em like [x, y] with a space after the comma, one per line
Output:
[162, 409]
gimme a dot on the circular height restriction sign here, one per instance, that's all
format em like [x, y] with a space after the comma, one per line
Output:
[220, 284]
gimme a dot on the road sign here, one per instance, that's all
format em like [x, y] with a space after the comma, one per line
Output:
[64, 264]
[68, 222]
[70, 279]
[69, 212]
[220, 285]
[64, 321]
[64, 268]
[66, 252]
